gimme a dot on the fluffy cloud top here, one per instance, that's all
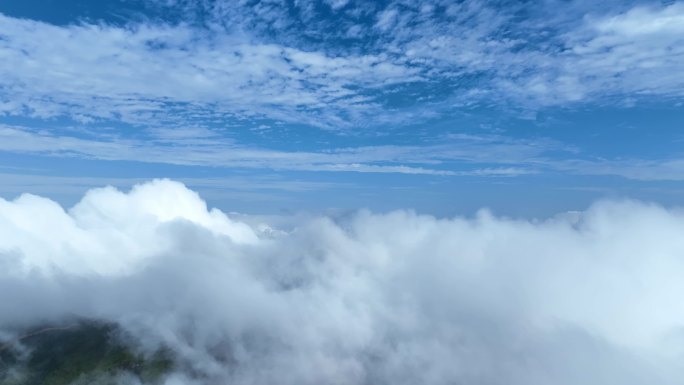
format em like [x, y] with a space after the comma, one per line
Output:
[590, 298]
[103, 233]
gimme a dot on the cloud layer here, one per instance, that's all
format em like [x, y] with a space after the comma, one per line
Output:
[401, 298]
[340, 65]
[247, 85]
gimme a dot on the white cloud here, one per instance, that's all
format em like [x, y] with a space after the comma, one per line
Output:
[337, 4]
[637, 169]
[108, 230]
[16, 181]
[644, 21]
[635, 53]
[205, 150]
[591, 298]
[454, 155]
[478, 53]
[130, 73]
[386, 19]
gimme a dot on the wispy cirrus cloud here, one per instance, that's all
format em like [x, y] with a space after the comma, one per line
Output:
[622, 56]
[271, 188]
[144, 71]
[474, 155]
[452, 155]
[662, 169]
[293, 66]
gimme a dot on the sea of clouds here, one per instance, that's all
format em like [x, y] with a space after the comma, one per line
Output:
[595, 297]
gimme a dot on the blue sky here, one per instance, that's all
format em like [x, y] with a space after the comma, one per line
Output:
[529, 108]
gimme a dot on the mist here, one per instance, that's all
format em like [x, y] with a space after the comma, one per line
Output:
[398, 298]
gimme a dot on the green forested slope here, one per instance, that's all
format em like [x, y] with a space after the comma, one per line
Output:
[83, 353]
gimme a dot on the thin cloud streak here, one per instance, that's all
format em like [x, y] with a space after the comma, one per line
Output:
[460, 155]
[468, 151]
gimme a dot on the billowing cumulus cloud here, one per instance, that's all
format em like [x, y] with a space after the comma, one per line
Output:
[396, 298]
